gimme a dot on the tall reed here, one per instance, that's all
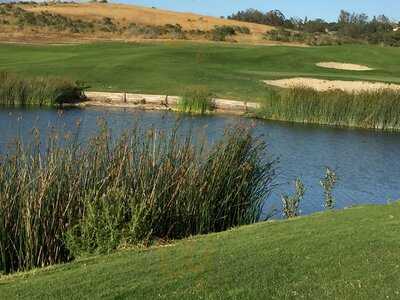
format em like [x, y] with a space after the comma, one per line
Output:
[43, 91]
[197, 99]
[370, 109]
[64, 198]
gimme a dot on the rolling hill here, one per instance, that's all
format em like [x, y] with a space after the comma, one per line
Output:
[52, 22]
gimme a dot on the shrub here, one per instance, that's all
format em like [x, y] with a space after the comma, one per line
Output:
[328, 184]
[291, 204]
[108, 25]
[241, 29]
[280, 35]
[314, 39]
[220, 33]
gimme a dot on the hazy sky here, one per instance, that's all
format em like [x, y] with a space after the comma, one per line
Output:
[328, 9]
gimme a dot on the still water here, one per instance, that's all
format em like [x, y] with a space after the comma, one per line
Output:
[366, 162]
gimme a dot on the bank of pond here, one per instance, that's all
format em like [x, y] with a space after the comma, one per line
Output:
[85, 181]
[378, 110]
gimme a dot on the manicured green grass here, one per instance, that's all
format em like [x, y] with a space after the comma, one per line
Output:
[231, 71]
[349, 254]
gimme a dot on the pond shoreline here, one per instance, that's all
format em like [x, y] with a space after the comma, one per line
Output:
[152, 102]
[160, 102]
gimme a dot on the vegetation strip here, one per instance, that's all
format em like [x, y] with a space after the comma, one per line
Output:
[366, 109]
[63, 199]
[65, 21]
[350, 28]
[337, 254]
[378, 109]
[42, 91]
[166, 101]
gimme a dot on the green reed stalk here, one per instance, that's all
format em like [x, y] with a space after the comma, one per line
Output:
[62, 199]
[196, 100]
[42, 91]
[370, 109]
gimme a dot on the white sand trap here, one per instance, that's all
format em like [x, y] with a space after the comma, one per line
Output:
[328, 85]
[343, 66]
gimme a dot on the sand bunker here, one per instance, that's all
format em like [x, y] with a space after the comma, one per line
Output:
[343, 66]
[328, 85]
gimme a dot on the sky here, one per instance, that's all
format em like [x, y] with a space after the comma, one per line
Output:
[327, 9]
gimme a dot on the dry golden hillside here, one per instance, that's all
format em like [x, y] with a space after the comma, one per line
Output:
[68, 22]
[143, 15]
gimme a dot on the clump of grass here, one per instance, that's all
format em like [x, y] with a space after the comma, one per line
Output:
[43, 91]
[64, 198]
[196, 99]
[369, 109]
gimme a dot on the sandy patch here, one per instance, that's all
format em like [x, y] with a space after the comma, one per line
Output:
[328, 85]
[343, 66]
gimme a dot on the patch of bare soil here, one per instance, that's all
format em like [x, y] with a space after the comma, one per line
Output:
[329, 85]
[343, 66]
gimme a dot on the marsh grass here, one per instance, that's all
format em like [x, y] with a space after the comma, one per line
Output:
[374, 110]
[42, 91]
[197, 99]
[61, 199]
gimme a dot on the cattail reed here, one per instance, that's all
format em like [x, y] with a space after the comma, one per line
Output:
[65, 198]
[41, 91]
[369, 109]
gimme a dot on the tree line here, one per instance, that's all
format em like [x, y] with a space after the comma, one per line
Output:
[353, 26]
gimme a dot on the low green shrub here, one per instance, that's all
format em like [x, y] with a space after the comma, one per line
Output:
[242, 29]
[313, 39]
[173, 31]
[291, 204]
[220, 33]
[43, 91]
[328, 184]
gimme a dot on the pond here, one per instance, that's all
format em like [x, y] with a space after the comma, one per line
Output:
[367, 163]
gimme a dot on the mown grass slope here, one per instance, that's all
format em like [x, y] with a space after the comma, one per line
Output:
[350, 254]
[231, 71]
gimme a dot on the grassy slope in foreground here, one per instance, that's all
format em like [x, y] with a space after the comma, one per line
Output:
[349, 254]
[230, 71]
